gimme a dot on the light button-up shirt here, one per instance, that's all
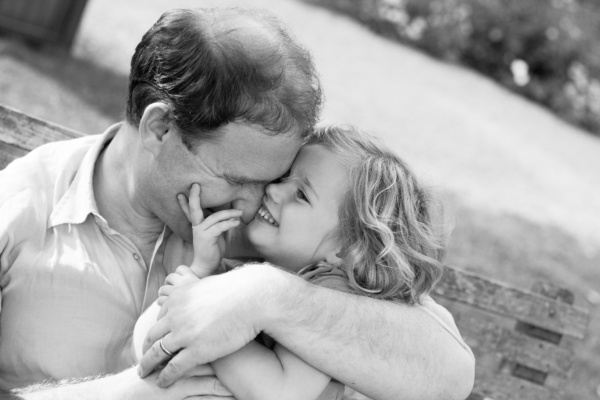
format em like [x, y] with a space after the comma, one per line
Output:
[71, 288]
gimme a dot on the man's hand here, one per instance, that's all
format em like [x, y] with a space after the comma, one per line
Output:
[209, 241]
[207, 320]
[198, 383]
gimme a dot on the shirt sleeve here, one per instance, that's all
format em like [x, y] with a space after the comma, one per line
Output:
[328, 276]
[20, 210]
[444, 319]
[335, 278]
[12, 219]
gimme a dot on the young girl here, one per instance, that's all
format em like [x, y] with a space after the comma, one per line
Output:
[350, 216]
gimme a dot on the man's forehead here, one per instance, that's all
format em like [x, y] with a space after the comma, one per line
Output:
[256, 168]
[246, 152]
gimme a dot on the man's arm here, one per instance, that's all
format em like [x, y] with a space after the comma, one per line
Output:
[384, 350]
[125, 385]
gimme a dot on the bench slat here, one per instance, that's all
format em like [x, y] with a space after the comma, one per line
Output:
[499, 298]
[516, 347]
[21, 133]
[504, 387]
[9, 152]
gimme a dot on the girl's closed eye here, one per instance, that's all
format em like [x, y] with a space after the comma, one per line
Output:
[301, 195]
[282, 178]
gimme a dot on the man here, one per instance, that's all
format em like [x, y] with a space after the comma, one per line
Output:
[90, 228]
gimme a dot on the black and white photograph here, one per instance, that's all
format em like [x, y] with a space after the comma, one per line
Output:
[300, 199]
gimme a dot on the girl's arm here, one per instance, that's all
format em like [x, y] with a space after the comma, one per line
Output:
[256, 372]
[142, 326]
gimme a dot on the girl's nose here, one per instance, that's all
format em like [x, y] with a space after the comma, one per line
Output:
[276, 191]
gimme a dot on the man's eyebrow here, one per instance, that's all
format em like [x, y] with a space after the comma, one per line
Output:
[245, 180]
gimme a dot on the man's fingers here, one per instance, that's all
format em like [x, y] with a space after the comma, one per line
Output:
[210, 398]
[196, 214]
[154, 357]
[207, 387]
[200, 370]
[153, 354]
[183, 203]
[163, 311]
[177, 367]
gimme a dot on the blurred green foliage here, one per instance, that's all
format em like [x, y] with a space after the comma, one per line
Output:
[546, 50]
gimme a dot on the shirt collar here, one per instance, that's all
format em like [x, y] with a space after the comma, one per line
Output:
[79, 201]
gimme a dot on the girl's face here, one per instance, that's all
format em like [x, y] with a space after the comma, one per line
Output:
[296, 224]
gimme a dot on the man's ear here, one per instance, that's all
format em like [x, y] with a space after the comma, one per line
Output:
[154, 127]
[334, 258]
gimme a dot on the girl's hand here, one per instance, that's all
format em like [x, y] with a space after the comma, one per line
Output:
[209, 241]
[182, 276]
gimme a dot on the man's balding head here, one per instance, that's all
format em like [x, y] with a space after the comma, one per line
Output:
[216, 66]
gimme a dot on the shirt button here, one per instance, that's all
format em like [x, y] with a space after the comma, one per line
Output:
[136, 256]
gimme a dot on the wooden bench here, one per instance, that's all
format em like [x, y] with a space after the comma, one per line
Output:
[523, 340]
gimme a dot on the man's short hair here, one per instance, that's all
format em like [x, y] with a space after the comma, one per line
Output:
[217, 66]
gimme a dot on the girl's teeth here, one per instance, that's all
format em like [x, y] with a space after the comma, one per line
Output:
[266, 215]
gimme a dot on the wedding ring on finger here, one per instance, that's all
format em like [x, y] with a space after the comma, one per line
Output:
[162, 346]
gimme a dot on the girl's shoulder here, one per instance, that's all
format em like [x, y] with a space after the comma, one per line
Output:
[327, 275]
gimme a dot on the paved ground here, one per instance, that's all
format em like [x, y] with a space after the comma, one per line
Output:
[493, 149]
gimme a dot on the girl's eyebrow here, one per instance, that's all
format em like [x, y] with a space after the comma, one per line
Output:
[307, 183]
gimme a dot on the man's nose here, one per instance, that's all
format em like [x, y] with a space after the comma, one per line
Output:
[250, 202]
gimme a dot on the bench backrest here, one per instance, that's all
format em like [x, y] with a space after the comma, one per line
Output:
[523, 340]
[21, 133]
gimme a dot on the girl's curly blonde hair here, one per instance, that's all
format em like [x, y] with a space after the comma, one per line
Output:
[390, 245]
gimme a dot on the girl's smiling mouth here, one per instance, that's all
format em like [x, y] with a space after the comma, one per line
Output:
[265, 215]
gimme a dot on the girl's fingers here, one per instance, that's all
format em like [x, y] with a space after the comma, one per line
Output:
[221, 227]
[183, 203]
[184, 270]
[161, 300]
[196, 215]
[219, 216]
[165, 290]
[173, 279]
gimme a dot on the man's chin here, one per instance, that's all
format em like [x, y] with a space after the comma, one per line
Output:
[183, 230]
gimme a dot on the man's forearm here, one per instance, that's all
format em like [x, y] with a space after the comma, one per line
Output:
[125, 385]
[349, 337]
[384, 350]
[91, 388]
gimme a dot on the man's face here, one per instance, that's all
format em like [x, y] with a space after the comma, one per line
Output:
[232, 172]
